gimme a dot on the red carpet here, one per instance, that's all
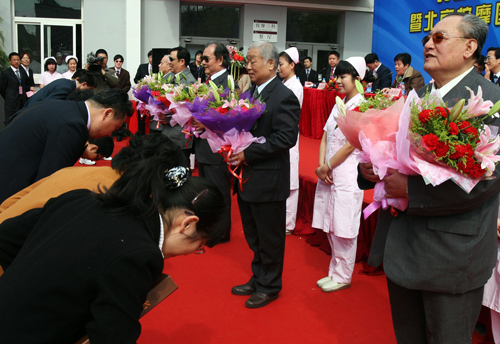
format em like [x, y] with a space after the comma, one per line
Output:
[203, 310]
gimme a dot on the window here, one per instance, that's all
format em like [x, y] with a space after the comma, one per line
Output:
[68, 9]
[210, 21]
[313, 27]
[47, 27]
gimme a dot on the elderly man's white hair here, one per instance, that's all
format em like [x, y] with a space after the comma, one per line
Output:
[268, 52]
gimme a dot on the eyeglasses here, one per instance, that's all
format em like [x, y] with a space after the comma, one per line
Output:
[489, 58]
[437, 37]
[172, 59]
[207, 58]
[119, 61]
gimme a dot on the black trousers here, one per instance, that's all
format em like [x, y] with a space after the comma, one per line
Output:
[220, 176]
[422, 316]
[264, 227]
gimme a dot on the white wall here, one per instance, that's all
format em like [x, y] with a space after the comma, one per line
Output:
[104, 27]
[6, 25]
[357, 35]
[160, 25]
[260, 12]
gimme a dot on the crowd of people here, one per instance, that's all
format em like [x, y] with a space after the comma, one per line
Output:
[115, 226]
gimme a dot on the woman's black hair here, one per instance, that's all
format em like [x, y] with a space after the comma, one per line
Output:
[141, 190]
[49, 61]
[298, 66]
[345, 67]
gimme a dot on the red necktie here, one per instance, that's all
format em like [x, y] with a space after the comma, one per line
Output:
[118, 72]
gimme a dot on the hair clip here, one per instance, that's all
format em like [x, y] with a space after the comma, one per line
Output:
[199, 196]
[176, 177]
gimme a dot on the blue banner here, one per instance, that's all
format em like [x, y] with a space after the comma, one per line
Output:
[399, 26]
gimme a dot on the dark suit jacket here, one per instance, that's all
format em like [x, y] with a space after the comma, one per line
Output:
[446, 240]
[383, 78]
[48, 136]
[29, 73]
[142, 71]
[76, 269]
[124, 80]
[491, 79]
[58, 89]
[313, 76]
[203, 151]
[268, 164]
[194, 71]
[9, 90]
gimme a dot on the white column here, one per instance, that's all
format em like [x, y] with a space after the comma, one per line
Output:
[133, 36]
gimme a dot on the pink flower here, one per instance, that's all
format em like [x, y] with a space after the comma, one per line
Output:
[486, 151]
[477, 106]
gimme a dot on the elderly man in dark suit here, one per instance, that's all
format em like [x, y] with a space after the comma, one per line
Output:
[211, 165]
[52, 135]
[13, 85]
[381, 73]
[262, 202]
[440, 252]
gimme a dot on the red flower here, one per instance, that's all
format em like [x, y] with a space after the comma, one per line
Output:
[442, 149]
[221, 110]
[356, 109]
[467, 129]
[441, 111]
[431, 141]
[453, 128]
[461, 150]
[155, 93]
[425, 116]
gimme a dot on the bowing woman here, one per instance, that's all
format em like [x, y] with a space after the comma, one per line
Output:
[84, 263]
[288, 62]
[50, 73]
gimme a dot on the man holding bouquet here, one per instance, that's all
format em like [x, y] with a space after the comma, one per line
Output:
[262, 203]
[215, 60]
[439, 253]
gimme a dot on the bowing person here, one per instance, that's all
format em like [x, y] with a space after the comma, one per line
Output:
[84, 263]
[288, 62]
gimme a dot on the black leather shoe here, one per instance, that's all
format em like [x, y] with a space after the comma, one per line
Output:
[244, 289]
[258, 300]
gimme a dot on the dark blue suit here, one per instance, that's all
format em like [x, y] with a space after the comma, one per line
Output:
[383, 79]
[44, 138]
[58, 89]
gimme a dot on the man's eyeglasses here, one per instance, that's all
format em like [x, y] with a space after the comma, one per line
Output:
[207, 58]
[489, 58]
[119, 61]
[437, 37]
[172, 59]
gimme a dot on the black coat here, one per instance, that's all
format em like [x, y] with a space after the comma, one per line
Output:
[313, 76]
[72, 269]
[142, 71]
[58, 89]
[9, 90]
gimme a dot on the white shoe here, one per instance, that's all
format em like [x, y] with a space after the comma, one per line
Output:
[332, 286]
[323, 281]
[107, 158]
[86, 162]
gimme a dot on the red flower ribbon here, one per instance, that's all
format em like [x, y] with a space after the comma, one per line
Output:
[226, 152]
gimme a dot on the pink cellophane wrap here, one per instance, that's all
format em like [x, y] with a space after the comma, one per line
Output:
[238, 141]
[376, 124]
[383, 138]
[180, 113]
